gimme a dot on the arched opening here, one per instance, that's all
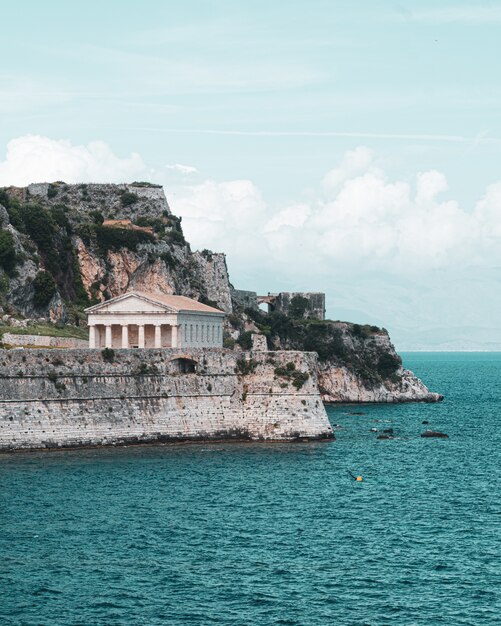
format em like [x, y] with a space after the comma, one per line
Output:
[184, 365]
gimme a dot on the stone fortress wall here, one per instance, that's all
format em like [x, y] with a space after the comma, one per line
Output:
[75, 398]
[280, 302]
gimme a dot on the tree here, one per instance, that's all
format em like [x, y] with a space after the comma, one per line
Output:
[45, 289]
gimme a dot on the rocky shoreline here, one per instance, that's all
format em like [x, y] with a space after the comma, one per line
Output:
[339, 385]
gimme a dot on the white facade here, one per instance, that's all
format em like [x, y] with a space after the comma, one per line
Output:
[146, 320]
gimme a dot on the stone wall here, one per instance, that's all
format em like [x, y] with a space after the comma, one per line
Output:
[106, 198]
[41, 341]
[315, 303]
[76, 398]
[245, 299]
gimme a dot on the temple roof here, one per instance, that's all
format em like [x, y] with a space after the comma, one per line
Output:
[176, 304]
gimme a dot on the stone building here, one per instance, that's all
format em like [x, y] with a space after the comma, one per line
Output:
[299, 304]
[151, 320]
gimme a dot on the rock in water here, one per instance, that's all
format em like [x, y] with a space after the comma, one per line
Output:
[434, 433]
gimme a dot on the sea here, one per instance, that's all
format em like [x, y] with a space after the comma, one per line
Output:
[264, 534]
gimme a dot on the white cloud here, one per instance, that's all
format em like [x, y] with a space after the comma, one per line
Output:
[33, 158]
[353, 162]
[182, 169]
[294, 216]
[359, 221]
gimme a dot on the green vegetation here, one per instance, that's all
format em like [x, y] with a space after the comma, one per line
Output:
[298, 307]
[4, 284]
[52, 191]
[45, 289]
[108, 355]
[175, 234]
[47, 330]
[348, 345]
[115, 238]
[127, 198]
[143, 183]
[97, 217]
[8, 256]
[245, 340]
[169, 259]
[245, 367]
[291, 373]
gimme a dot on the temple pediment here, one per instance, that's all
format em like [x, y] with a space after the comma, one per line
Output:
[131, 303]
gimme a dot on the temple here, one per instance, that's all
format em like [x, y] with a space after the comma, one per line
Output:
[151, 320]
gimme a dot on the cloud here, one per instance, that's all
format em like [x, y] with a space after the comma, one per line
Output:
[33, 158]
[182, 169]
[358, 221]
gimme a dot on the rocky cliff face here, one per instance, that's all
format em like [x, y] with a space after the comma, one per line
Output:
[74, 245]
[356, 363]
[65, 247]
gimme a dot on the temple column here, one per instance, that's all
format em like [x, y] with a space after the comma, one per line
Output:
[140, 335]
[174, 337]
[107, 337]
[158, 336]
[92, 337]
[125, 336]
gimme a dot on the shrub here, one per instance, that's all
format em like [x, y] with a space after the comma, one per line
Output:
[52, 191]
[59, 216]
[45, 289]
[7, 251]
[4, 284]
[388, 364]
[108, 355]
[245, 340]
[290, 373]
[176, 237]
[127, 198]
[97, 217]
[86, 232]
[41, 228]
[143, 183]
[116, 238]
[168, 259]
[246, 367]
[298, 307]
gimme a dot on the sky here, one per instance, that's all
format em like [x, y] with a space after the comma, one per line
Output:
[323, 145]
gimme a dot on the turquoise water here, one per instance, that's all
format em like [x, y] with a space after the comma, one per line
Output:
[243, 534]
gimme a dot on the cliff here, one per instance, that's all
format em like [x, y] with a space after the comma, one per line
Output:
[65, 247]
[356, 363]
[141, 396]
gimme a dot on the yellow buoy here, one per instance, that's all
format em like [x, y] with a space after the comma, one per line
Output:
[359, 479]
